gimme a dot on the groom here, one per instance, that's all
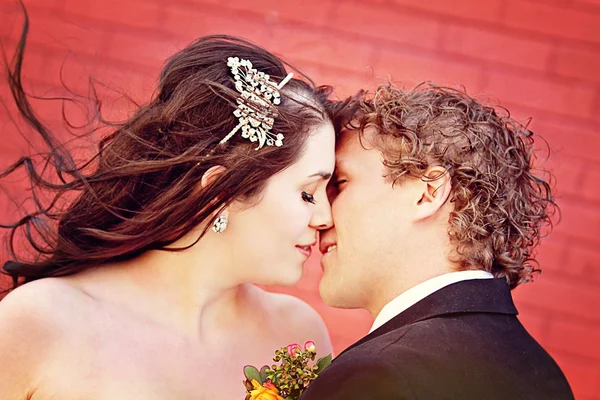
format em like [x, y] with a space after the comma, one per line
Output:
[436, 211]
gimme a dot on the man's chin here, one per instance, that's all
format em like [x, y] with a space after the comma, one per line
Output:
[337, 297]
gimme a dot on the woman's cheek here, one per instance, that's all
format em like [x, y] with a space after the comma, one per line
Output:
[301, 218]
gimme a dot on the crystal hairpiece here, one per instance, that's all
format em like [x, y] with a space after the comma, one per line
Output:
[256, 88]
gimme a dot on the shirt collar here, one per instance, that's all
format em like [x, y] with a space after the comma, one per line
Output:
[422, 290]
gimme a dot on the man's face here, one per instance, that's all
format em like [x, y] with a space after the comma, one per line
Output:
[364, 249]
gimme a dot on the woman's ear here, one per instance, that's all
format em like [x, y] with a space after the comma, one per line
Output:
[436, 190]
[209, 176]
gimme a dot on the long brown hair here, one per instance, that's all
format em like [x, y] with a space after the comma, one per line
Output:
[140, 190]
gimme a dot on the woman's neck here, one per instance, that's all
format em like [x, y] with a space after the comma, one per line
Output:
[186, 290]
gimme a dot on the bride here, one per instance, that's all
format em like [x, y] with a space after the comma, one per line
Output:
[145, 285]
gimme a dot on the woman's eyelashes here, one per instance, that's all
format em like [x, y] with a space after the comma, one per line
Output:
[309, 198]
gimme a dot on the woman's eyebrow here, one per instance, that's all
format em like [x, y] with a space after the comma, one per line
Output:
[324, 175]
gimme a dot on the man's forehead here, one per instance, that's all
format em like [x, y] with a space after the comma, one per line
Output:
[349, 151]
[356, 152]
[346, 149]
[349, 141]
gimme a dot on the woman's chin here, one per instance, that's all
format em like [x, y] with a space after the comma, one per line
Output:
[288, 278]
[281, 275]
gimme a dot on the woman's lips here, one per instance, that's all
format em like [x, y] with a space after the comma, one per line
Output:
[305, 250]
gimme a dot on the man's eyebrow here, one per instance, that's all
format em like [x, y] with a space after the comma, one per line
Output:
[340, 165]
[324, 175]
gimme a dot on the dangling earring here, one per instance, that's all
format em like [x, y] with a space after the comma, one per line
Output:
[220, 224]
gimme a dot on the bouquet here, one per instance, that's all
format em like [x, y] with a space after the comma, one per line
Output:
[286, 381]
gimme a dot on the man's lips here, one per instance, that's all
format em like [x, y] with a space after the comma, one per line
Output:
[327, 247]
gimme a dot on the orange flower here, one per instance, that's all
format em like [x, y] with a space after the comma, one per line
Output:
[266, 392]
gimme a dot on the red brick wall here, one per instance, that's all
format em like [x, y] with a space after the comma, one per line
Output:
[540, 58]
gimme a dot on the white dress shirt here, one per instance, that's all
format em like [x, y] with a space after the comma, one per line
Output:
[422, 290]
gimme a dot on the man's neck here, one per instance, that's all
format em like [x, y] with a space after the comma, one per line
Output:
[420, 291]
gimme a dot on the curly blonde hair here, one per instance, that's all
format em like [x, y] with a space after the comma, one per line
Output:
[501, 202]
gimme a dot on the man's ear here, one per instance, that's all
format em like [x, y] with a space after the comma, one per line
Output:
[436, 190]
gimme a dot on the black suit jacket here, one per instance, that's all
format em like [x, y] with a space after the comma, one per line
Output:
[461, 342]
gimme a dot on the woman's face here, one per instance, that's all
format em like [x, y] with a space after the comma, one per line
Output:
[273, 239]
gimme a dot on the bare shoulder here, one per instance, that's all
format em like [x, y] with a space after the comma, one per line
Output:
[47, 300]
[35, 323]
[302, 322]
[39, 314]
[285, 304]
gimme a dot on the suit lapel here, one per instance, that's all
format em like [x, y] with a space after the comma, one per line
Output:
[471, 296]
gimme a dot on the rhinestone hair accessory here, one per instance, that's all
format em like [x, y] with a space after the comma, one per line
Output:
[256, 88]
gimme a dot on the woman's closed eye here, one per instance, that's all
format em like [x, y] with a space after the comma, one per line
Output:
[309, 198]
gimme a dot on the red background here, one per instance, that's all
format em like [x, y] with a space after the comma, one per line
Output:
[540, 58]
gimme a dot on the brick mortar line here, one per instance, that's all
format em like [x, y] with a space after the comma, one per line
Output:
[390, 46]
[551, 315]
[393, 46]
[428, 52]
[580, 359]
[439, 17]
[577, 199]
[113, 63]
[586, 241]
[572, 6]
[476, 23]
[499, 66]
[539, 113]
[596, 103]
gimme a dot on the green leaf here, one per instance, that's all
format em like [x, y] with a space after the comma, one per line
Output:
[289, 398]
[323, 363]
[252, 373]
[263, 373]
